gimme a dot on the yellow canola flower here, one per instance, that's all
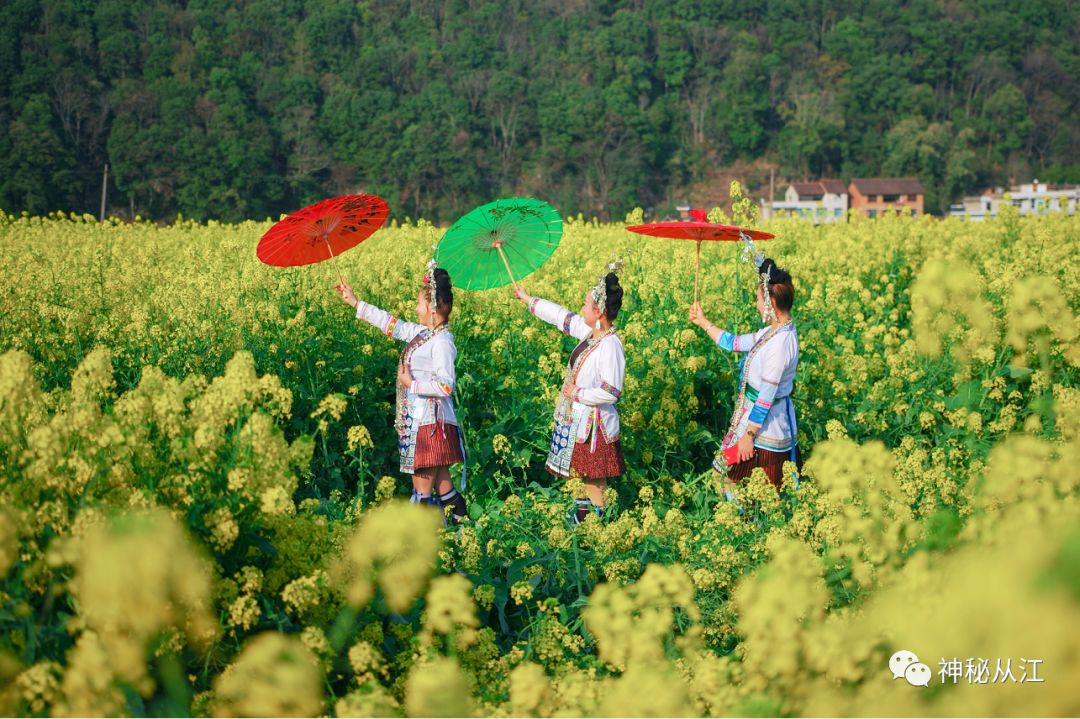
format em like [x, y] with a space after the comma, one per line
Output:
[450, 605]
[371, 701]
[530, 691]
[332, 405]
[394, 548]
[774, 605]
[9, 542]
[358, 437]
[366, 662]
[438, 689]
[21, 400]
[39, 686]
[89, 684]
[646, 691]
[274, 675]
[631, 622]
[1037, 305]
[136, 577]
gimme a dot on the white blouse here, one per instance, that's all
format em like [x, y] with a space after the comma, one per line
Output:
[600, 378]
[771, 373]
[431, 393]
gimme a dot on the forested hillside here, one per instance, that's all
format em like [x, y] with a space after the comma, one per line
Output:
[245, 109]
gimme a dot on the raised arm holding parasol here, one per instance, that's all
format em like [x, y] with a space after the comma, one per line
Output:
[429, 435]
[762, 431]
[585, 441]
[429, 438]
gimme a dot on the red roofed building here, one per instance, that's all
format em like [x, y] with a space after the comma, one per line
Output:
[872, 196]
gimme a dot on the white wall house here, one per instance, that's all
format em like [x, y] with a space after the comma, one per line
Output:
[820, 201]
[1030, 198]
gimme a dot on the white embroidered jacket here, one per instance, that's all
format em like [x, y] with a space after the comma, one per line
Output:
[600, 379]
[432, 365]
[770, 378]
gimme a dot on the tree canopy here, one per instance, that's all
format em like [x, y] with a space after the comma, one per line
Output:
[229, 110]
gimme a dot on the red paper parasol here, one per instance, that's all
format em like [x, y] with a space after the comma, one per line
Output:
[700, 230]
[322, 231]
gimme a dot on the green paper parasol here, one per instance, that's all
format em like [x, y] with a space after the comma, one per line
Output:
[498, 242]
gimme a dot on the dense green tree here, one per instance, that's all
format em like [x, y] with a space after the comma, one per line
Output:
[36, 173]
[217, 108]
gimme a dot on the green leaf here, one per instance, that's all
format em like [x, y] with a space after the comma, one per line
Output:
[967, 395]
[1015, 371]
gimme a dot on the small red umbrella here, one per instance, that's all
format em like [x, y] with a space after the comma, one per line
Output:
[700, 230]
[322, 231]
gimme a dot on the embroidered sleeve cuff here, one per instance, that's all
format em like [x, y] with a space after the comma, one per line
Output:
[727, 341]
[390, 325]
[566, 322]
[612, 390]
[760, 412]
[532, 304]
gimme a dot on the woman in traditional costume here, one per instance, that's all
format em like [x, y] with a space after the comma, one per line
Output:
[429, 437]
[585, 440]
[762, 432]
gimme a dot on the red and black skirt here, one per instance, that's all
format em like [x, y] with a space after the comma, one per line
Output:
[437, 445]
[771, 462]
[602, 463]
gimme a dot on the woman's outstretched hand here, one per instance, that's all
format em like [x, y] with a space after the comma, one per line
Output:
[698, 317]
[346, 292]
[521, 294]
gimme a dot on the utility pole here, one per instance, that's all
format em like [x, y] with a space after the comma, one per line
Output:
[772, 182]
[104, 190]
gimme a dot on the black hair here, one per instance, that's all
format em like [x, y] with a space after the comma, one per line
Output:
[444, 292]
[613, 303]
[781, 287]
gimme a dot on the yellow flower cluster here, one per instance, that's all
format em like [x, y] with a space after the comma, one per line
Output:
[304, 594]
[394, 549]
[866, 518]
[366, 662]
[450, 607]
[1037, 308]
[630, 623]
[358, 437]
[943, 291]
[438, 688]
[274, 675]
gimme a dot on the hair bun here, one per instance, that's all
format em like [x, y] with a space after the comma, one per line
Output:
[614, 293]
[776, 273]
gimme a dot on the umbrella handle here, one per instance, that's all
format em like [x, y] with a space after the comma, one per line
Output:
[498, 246]
[333, 259]
[697, 271]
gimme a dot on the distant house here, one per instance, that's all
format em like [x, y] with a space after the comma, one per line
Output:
[820, 201]
[1030, 198]
[872, 196]
[978, 207]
